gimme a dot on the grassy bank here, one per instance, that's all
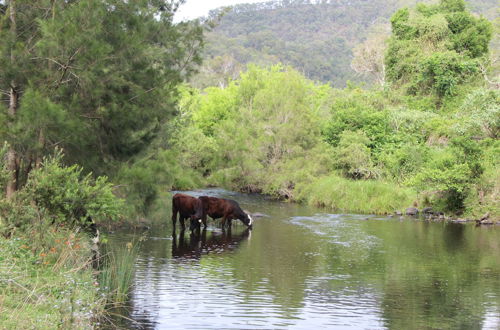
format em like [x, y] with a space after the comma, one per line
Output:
[47, 280]
[47, 276]
[340, 194]
[48, 285]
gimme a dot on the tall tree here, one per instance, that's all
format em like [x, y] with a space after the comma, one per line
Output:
[95, 77]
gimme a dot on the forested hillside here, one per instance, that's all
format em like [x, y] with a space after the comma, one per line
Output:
[315, 37]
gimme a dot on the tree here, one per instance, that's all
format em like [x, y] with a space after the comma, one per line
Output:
[368, 58]
[94, 77]
[435, 48]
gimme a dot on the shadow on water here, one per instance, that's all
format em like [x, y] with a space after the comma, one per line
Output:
[195, 244]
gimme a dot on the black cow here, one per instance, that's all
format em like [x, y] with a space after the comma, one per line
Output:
[227, 209]
[187, 207]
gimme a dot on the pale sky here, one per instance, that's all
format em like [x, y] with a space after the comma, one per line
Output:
[196, 8]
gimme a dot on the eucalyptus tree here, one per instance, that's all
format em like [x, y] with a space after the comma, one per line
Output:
[94, 77]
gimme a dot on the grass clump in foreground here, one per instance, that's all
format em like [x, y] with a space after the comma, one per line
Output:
[117, 273]
[49, 285]
[47, 280]
[356, 196]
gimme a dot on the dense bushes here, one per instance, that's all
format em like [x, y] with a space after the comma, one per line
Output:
[354, 150]
[436, 48]
[61, 195]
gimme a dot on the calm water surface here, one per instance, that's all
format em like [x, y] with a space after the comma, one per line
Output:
[302, 268]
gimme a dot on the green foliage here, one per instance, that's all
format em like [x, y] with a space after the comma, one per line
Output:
[441, 72]
[353, 155]
[479, 115]
[69, 196]
[400, 26]
[451, 173]
[266, 122]
[434, 48]
[355, 196]
[453, 5]
[145, 178]
[97, 78]
[58, 194]
[355, 109]
[402, 161]
[271, 140]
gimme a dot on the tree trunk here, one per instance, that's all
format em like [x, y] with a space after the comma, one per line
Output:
[12, 164]
[41, 144]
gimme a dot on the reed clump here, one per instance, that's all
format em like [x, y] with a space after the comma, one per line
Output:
[116, 276]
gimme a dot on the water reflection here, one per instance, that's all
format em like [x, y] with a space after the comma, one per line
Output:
[302, 269]
[196, 244]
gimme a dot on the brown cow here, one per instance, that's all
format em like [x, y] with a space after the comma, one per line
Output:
[227, 209]
[187, 207]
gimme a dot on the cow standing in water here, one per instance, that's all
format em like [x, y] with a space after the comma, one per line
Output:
[227, 209]
[187, 207]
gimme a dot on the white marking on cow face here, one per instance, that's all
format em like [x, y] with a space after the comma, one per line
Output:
[250, 220]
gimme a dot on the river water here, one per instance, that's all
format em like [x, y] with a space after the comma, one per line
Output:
[304, 268]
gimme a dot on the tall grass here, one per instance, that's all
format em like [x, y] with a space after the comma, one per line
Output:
[117, 273]
[355, 196]
[47, 284]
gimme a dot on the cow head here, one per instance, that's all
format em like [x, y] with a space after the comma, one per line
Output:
[195, 223]
[247, 219]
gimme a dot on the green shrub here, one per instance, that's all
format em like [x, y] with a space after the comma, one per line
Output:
[479, 114]
[353, 156]
[442, 72]
[450, 173]
[59, 194]
[69, 196]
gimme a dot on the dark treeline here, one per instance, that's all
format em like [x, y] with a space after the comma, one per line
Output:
[96, 79]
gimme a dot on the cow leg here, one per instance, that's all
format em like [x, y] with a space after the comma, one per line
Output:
[181, 220]
[226, 222]
[174, 216]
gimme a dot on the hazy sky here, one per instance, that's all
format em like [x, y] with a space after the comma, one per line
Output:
[196, 8]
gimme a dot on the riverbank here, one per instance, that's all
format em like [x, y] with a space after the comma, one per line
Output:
[337, 195]
[47, 281]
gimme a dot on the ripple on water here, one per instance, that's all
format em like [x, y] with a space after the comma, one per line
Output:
[339, 229]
